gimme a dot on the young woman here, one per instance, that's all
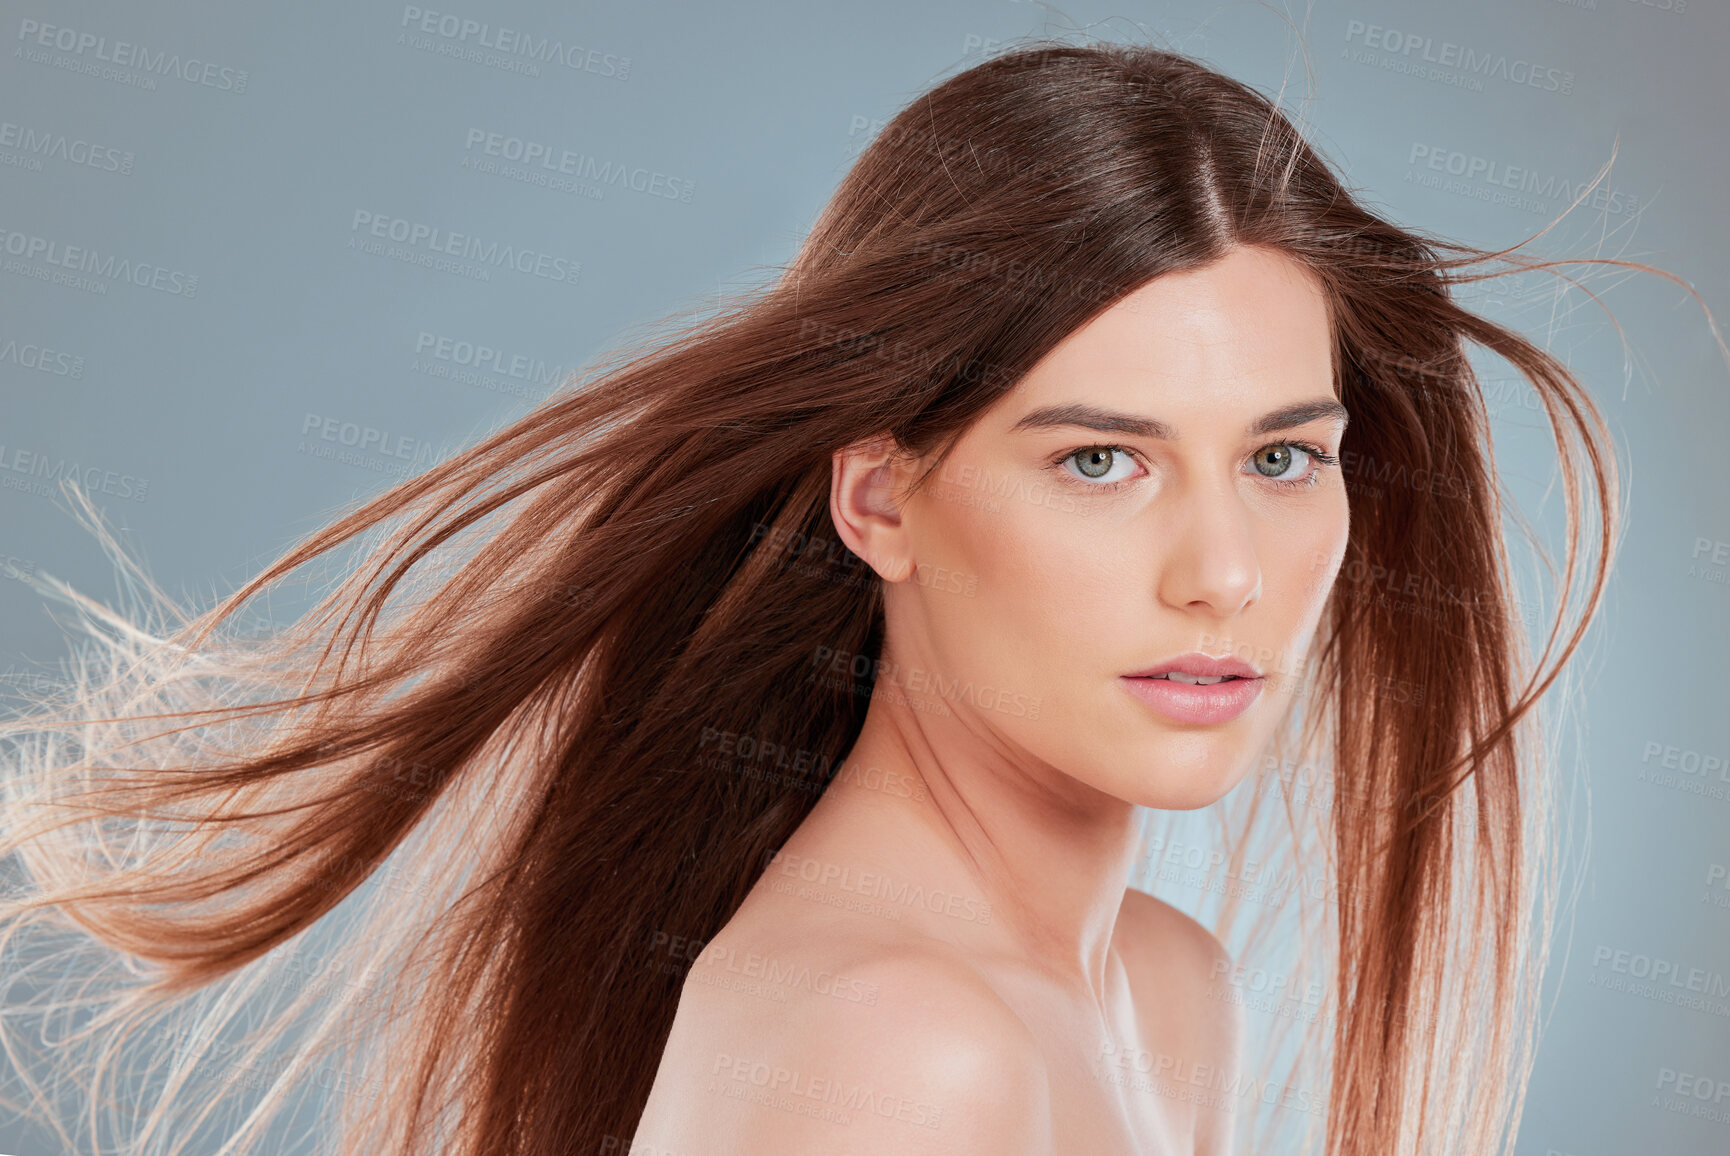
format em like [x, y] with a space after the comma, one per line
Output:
[742, 751]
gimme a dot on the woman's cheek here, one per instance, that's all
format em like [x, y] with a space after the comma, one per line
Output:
[1300, 548]
[1326, 551]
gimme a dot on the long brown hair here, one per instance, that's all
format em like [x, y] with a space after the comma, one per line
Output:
[426, 845]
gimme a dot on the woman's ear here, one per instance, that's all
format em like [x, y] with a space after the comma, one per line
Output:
[864, 501]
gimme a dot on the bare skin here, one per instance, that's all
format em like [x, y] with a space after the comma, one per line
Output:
[945, 958]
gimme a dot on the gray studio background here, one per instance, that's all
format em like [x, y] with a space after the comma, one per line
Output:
[264, 362]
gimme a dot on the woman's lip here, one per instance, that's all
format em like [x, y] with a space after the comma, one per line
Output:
[1202, 665]
[1189, 703]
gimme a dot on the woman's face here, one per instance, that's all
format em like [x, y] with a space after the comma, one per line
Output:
[1156, 487]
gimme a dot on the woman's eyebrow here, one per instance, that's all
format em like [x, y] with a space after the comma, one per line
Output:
[1300, 413]
[1094, 418]
[1114, 421]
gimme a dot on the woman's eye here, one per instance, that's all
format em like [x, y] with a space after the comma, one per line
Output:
[1097, 463]
[1281, 462]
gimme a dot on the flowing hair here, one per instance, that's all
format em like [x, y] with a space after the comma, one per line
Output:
[399, 876]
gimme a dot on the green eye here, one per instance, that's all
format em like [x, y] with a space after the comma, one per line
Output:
[1275, 460]
[1276, 463]
[1097, 468]
[1095, 461]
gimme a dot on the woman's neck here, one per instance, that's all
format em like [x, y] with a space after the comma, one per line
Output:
[985, 848]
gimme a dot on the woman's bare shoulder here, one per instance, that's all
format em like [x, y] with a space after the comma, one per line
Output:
[812, 1034]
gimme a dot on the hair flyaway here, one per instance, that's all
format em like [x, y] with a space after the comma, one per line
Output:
[403, 870]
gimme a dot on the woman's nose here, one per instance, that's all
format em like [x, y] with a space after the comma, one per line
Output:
[1209, 559]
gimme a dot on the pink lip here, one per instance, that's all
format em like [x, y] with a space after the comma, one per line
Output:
[1200, 665]
[1186, 703]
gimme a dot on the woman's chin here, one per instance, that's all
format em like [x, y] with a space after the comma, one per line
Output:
[1187, 790]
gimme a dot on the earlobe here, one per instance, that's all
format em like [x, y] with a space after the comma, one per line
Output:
[863, 485]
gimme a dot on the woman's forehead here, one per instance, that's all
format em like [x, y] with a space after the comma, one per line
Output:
[1249, 331]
